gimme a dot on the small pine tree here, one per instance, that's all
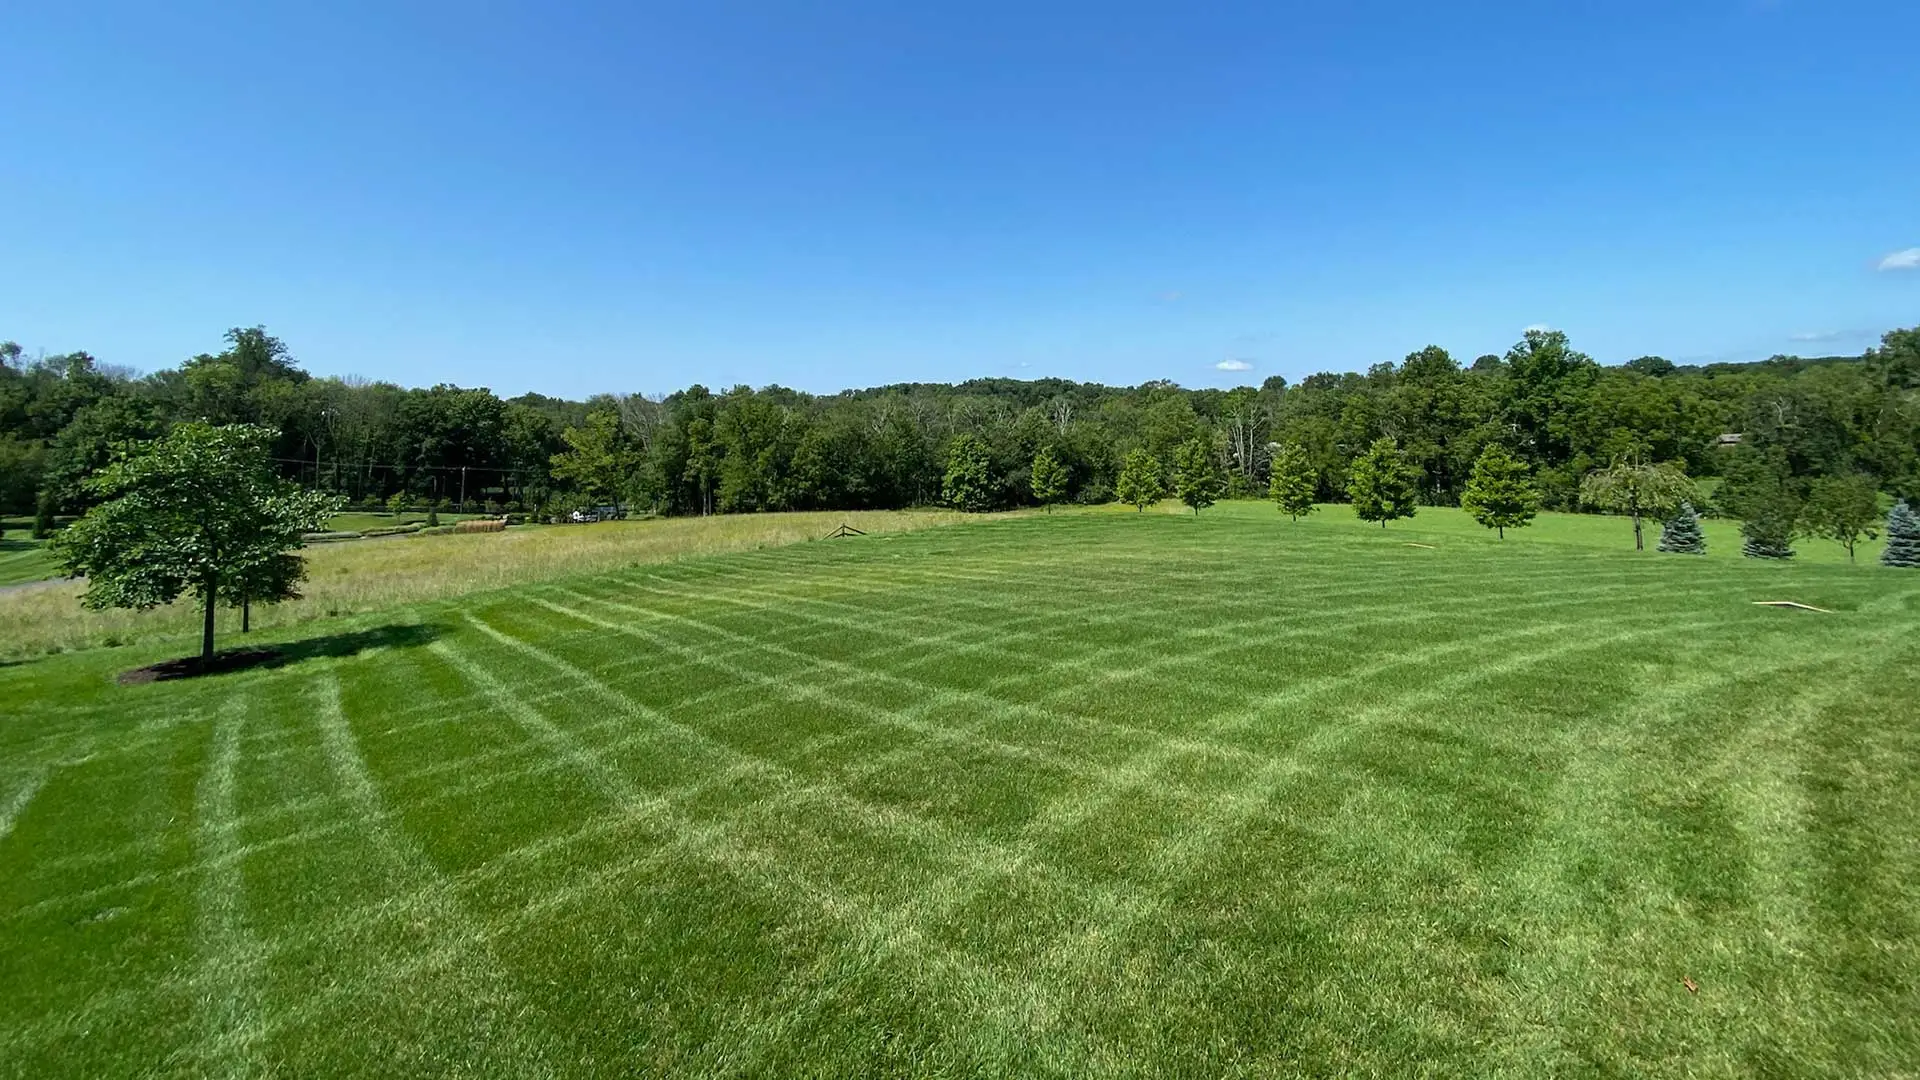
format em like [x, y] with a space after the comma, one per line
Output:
[1500, 495]
[1139, 484]
[1291, 485]
[1903, 537]
[433, 517]
[1197, 477]
[1049, 478]
[1769, 531]
[1681, 534]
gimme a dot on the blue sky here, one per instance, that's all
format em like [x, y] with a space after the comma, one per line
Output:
[619, 196]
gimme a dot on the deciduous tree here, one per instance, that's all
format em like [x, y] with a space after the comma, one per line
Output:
[1631, 487]
[1500, 494]
[1843, 509]
[599, 461]
[199, 511]
[1139, 485]
[1291, 483]
[1384, 484]
[968, 483]
[1197, 477]
[1049, 478]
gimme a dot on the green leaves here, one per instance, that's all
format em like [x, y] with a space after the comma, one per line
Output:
[969, 479]
[199, 509]
[1049, 477]
[1139, 485]
[1197, 477]
[1292, 481]
[1500, 494]
[1384, 484]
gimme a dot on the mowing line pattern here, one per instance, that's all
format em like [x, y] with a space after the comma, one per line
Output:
[1076, 797]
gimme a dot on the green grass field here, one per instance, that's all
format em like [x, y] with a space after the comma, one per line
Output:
[1087, 794]
[23, 560]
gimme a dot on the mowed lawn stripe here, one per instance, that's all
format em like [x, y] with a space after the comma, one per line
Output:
[1287, 801]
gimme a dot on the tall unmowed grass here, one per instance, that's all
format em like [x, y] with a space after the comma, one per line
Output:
[368, 575]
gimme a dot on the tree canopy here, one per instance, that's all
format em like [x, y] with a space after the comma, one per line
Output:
[1384, 484]
[1765, 427]
[1140, 485]
[1292, 482]
[199, 510]
[1198, 479]
[1635, 488]
[1500, 494]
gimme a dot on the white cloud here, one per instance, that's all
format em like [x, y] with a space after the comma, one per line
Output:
[1234, 365]
[1823, 335]
[1539, 326]
[1902, 260]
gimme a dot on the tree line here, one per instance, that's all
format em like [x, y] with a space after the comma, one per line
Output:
[1780, 434]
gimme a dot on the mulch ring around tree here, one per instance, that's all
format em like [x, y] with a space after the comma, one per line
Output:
[188, 667]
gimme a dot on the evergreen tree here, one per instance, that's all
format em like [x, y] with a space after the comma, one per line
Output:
[43, 516]
[969, 479]
[1769, 530]
[1292, 482]
[1139, 484]
[1383, 484]
[1903, 537]
[1197, 477]
[1049, 478]
[1500, 494]
[1681, 533]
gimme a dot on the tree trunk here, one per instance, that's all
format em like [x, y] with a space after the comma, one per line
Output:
[1500, 531]
[246, 614]
[1638, 543]
[206, 628]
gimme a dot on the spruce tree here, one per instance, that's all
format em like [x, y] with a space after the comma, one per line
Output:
[1903, 537]
[1681, 533]
[1769, 530]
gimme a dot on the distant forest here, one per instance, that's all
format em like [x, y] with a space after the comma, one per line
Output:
[1763, 427]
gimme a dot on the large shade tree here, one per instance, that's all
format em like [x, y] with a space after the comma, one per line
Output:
[199, 511]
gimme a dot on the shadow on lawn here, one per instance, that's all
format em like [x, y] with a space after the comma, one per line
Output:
[393, 635]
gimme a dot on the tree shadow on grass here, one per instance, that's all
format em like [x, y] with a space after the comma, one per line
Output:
[332, 646]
